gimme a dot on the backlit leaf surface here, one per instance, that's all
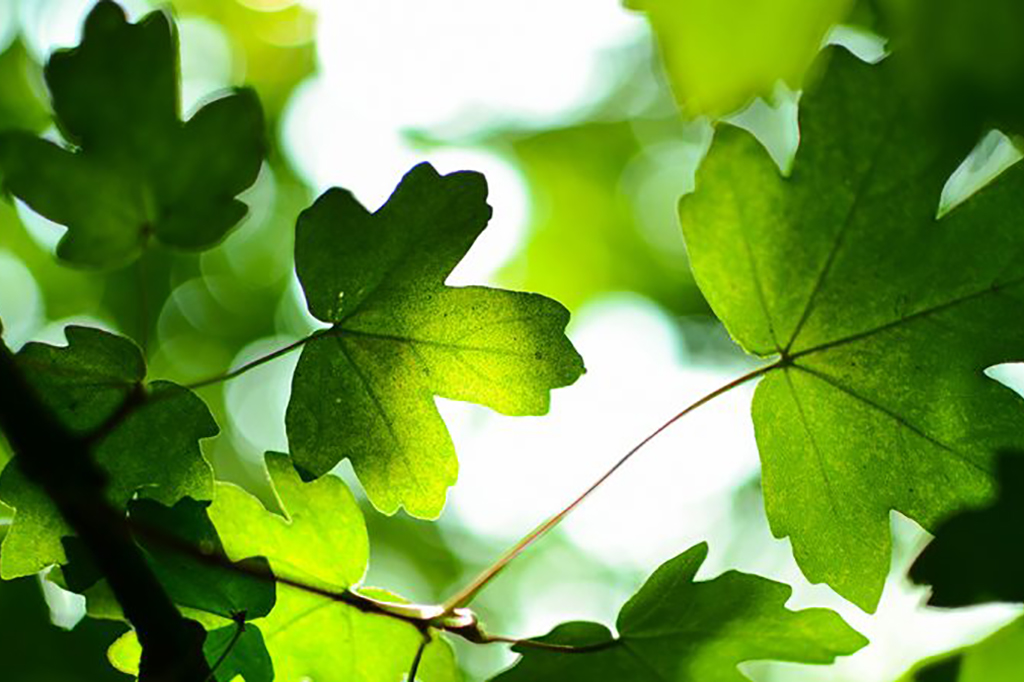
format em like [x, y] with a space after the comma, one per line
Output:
[364, 390]
[884, 315]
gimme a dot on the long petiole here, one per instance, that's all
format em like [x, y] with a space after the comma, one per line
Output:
[253, 364]
[464, 596]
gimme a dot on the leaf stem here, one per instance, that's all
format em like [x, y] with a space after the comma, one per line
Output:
[253, 364]
[411, 677]
[464, 596]
[550, 646]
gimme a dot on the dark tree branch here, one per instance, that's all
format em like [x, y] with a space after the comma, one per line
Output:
[62, 465]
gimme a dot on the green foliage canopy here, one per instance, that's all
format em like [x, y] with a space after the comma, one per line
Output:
[880, 315]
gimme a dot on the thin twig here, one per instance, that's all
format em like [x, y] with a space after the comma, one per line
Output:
[467, 593]
[140, 396]
[423, 617]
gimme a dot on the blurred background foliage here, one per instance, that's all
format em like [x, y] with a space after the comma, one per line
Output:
[589, 119]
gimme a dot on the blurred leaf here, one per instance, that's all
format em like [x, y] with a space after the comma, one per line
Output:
[720, 54]
[35, 650]
[884, 317]
[364, 390]
[154, 452]
[275, 41]
[576, 177]
[21, 103]
[969, 53]
[998, 658]
[978, 556]
[675, 629]
[139, 172]
[320, 539]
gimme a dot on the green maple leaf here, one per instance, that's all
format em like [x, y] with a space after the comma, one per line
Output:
[137, 171]
[997, 658]
[319, 538]
[154, 452]
[884, 317]
[35, 649]
[364, 389]
[678, 630]
[720, 54]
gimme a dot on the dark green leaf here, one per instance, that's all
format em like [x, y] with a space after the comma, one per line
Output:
[137, 171]
[978, 556]
[246, 656]
[678, 630]
[190, 581]
[154, 452]
[85, 382]
[884, 317]
[364, 389]
[969, 54]
[35, 650]
[243, 654]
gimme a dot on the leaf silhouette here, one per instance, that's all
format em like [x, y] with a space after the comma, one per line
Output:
[977, 556]
[364, 389]
[136, 171]
[883, 315]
